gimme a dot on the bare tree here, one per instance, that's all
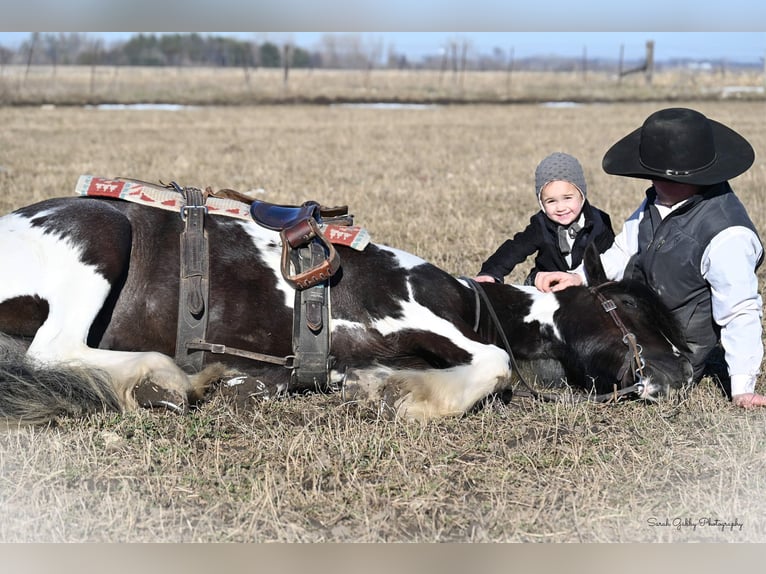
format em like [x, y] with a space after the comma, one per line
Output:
[96, 55]
[286, 55]
[32, 44]
[509, 72]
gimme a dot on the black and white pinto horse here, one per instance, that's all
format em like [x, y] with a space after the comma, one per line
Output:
[89, 292]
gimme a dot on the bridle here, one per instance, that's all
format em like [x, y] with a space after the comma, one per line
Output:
[634, 361]
[633, 364]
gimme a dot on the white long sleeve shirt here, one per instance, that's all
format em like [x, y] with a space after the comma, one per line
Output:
[728, 265]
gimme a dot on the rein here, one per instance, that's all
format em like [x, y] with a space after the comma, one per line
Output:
[481, 294]
[633, 354]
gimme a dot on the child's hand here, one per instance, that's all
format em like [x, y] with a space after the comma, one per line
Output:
[484, 279]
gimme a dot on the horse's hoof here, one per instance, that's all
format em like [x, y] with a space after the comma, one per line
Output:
[352, 392]
[149, 395]
[243, 391]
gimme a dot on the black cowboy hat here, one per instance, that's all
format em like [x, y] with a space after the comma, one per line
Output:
[681, 145]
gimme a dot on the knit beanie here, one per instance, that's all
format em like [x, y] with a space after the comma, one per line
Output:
[560, 167]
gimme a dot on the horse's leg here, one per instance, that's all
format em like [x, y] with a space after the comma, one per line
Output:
[435, 392]
[367, 386]
[426, 394]
[61, 340]
[52, 268]
[251, 386]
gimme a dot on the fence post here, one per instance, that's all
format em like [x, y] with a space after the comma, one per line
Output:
[509, 73]
[286, 63]
[649, 61]
[620, 64]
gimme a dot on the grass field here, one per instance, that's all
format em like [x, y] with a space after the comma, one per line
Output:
[77, 85]
[448, 183]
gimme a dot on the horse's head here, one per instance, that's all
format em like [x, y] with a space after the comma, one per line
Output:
[623, 335]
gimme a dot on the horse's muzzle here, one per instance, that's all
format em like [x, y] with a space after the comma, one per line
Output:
[661, 382]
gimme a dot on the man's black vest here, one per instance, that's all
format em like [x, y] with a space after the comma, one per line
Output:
[669, 256]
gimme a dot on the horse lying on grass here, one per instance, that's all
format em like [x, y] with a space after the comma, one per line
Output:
[89, 300]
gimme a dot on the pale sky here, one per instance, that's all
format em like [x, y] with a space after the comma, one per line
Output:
[403, 15]
[733, 29]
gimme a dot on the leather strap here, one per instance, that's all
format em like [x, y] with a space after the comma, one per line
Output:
[307, 232]
[193, 282]
[311, 322]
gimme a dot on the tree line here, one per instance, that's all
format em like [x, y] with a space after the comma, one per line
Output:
[192, 49]
[336, 51]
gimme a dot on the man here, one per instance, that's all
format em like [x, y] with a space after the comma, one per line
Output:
[691, 240]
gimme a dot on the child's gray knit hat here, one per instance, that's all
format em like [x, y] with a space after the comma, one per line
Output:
[560, 167]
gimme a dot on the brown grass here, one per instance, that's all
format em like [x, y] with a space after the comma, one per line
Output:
[448, 183]
[76, 85]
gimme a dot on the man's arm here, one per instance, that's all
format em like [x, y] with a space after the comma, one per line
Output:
[728, 265]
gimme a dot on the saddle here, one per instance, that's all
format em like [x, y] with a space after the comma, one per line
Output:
[299, 226]
[304, 249]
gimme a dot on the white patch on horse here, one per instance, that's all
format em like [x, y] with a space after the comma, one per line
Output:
[269, 246]
[49, 266]
[441, 392]
[544, 305]
[405, 260]
[419, 318]
[346, 324]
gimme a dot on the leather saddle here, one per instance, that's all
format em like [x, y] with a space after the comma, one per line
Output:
[299, 226]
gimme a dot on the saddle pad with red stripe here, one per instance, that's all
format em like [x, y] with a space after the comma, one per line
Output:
[169, 199]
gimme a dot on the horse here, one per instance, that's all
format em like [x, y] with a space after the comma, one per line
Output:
[89, 314]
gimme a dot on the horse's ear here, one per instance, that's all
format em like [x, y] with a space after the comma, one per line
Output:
[594, 270]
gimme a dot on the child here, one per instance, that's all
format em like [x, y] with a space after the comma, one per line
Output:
[558, 233]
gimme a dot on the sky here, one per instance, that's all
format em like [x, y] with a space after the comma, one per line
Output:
[748, 47]
[729, 29]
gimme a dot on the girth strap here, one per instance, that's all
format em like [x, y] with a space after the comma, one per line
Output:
[314, 260]
[193, 281]
[311, 321]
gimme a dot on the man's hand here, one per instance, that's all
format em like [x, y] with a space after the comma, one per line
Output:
[749, 400]
[547, 281]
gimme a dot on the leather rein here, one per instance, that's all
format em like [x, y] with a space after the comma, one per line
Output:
[633, 356]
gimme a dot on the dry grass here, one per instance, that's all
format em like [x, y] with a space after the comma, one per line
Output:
[81, 85]
[448, 183]
[311, 470]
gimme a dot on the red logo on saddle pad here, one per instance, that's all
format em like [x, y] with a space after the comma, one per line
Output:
[105, 187]
[350, 235]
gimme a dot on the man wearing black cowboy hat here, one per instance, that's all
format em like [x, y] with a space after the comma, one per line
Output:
[691, 240]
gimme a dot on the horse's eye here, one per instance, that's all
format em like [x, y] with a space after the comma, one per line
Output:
[630, 303]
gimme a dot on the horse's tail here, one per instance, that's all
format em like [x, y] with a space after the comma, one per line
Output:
[32, 394]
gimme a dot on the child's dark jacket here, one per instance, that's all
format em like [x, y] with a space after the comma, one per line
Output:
[541, 237]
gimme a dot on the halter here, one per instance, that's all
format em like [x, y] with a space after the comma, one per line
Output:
[633, 357]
